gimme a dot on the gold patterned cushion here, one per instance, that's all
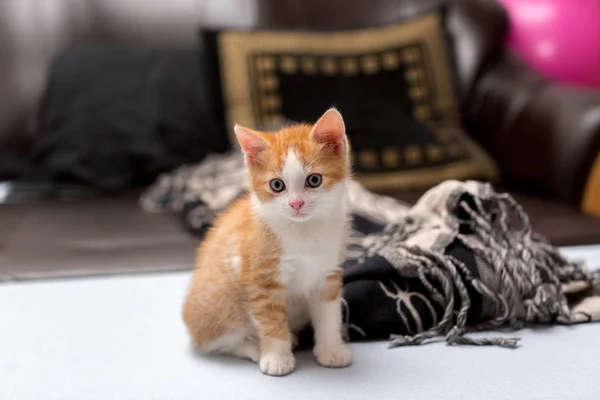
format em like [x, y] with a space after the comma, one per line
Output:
[392, 84]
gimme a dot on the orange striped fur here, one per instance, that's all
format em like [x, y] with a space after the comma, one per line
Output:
[271, 262]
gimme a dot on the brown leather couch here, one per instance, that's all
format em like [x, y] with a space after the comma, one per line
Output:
[544, 136]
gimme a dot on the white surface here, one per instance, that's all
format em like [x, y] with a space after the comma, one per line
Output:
[122, 338]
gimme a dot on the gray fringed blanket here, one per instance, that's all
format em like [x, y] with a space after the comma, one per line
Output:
[463, 258]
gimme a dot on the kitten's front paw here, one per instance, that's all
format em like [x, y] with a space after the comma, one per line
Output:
[277, 364]
[337, 356]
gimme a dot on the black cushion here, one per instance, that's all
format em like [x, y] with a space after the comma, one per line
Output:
[116, 116]
[393, 84]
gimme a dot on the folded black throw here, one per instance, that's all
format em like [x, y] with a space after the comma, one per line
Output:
[463, 258]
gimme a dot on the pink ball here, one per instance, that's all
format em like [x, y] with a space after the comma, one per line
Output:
[559, 38]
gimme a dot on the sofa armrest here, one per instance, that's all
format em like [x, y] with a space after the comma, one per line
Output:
[545, 136]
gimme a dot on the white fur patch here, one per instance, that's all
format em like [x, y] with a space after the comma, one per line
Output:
[241, 343]
[235, 263]
[310, 251]
[294, 173]
[224, 344]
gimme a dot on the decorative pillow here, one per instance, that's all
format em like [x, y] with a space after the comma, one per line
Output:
[393, 84]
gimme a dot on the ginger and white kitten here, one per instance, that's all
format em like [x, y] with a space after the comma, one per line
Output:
[271, 264]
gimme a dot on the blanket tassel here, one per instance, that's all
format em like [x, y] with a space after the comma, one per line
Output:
[455, 337]
[509, 343]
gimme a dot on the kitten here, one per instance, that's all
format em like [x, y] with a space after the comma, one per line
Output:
[271, 263]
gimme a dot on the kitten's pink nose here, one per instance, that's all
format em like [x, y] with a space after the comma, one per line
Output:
[296, 204]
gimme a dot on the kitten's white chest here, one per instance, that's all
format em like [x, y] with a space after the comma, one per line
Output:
[307, 258]
[304, 264]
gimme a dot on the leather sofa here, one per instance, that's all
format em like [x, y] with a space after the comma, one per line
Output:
[545, 136]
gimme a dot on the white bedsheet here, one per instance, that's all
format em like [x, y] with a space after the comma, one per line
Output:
[122, 338]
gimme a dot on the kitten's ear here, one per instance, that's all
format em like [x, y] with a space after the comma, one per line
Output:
[251, 143]
[330, 130]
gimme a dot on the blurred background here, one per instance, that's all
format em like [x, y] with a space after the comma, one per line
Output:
[98, 98]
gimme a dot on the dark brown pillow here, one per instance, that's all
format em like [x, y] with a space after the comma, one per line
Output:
[392, 84]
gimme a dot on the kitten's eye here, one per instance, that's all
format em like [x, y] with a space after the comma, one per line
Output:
[277, 185]
[314, 180]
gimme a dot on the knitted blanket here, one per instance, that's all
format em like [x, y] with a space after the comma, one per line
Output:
[463, 258]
